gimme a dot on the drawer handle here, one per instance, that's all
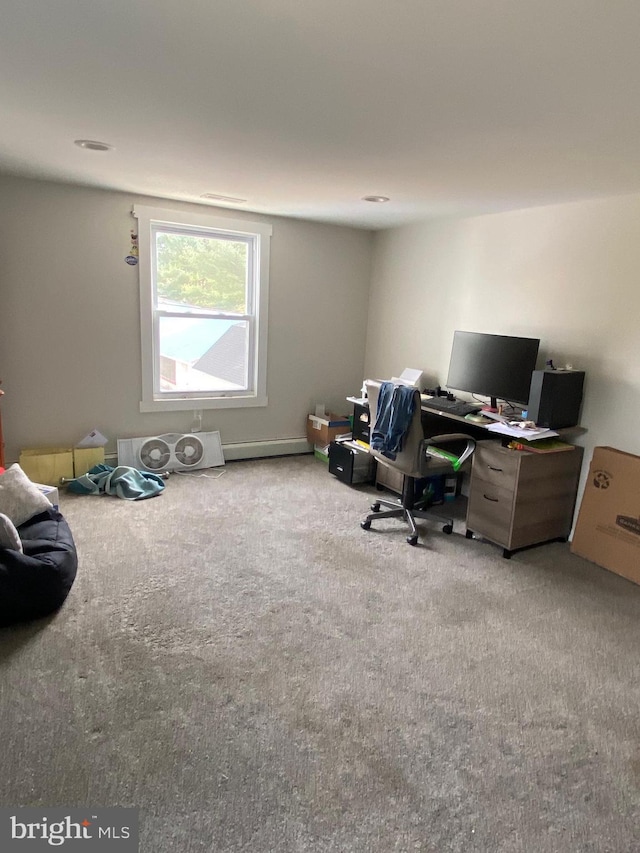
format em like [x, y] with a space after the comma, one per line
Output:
[491, 468]
[493, 500]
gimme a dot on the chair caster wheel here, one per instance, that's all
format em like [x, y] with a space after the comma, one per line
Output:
[375, 507]
[448, 529]
[365, 525]
[412, 540]
[468, 534]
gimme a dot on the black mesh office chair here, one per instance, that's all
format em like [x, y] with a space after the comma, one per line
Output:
[418, 457]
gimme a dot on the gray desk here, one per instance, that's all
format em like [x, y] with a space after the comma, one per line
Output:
[517, 498]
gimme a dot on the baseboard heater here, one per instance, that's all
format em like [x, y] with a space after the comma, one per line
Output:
[252, 449]
[259, 449]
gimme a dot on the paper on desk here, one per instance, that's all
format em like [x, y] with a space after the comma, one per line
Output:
[409, 376]
[520, 432]
[93, 439]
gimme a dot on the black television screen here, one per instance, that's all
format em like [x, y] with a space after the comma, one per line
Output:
[495, 366]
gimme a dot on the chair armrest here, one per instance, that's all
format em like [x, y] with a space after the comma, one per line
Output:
[457, 461]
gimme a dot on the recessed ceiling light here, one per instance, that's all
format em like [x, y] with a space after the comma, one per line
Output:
[377, 199]
[228, 198]
[93, 145]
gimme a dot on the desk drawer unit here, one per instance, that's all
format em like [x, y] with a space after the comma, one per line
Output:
[389, 478]
[519, 498]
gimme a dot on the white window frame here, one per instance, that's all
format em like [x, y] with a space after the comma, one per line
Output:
[259, 234]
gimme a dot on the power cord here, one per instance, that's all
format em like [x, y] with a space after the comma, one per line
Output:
[200, 476]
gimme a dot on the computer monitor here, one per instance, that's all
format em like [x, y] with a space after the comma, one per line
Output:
[495, 366]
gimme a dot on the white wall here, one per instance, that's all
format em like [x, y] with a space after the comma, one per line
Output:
[568, 274]
[69, 336]
[69, 321]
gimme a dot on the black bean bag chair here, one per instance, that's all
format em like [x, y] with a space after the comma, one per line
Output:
[37, 582]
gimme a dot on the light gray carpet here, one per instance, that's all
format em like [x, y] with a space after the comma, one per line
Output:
[256, 673]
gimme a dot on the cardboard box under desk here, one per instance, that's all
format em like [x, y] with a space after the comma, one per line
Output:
[321, 452]
[608, 527]
[324, 430]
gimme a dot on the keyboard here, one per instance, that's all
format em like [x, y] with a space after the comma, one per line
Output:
[451, 407]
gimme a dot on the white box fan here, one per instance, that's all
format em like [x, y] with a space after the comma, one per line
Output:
[172, 452]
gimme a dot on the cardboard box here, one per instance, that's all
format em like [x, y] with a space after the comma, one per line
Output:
[324, 430]
[608, 527]
[84, 458]
[47, 465]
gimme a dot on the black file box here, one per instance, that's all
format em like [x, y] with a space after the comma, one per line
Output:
[350, 463]
[361, 422]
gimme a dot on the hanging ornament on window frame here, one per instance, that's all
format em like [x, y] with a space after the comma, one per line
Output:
[132, 257]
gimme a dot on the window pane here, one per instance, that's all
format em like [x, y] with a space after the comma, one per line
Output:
[207, 272]
[201, 354]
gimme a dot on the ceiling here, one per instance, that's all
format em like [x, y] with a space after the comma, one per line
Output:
[448, 107]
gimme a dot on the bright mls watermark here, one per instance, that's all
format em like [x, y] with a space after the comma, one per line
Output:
[102, 830]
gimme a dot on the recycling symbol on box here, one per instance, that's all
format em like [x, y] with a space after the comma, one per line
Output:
[601, 480]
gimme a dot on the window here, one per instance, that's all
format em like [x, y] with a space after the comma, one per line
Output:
[204, 284]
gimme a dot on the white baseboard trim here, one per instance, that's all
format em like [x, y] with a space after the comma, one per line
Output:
[260, 449]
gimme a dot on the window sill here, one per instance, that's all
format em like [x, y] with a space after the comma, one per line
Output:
[189, 404]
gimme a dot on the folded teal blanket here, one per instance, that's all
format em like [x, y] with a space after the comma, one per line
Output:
[124, 482]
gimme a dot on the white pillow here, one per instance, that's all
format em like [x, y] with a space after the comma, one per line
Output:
[19, 498]
[9, 537]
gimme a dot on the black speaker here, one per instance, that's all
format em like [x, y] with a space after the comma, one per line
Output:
[555, 398]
